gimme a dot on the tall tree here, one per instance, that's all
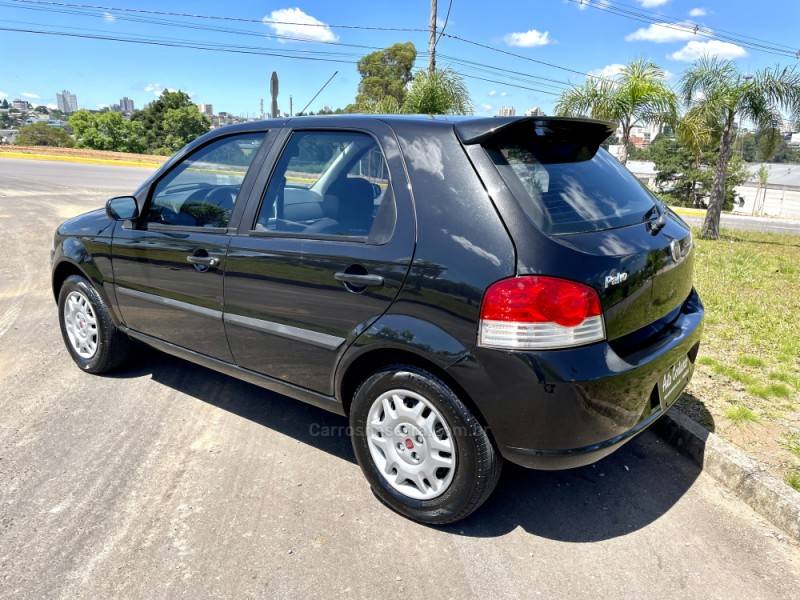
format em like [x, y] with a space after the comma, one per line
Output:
[638, 96]
[164, 135]
[106, 131]
[385, 73]
[41, 134]
[718, 91]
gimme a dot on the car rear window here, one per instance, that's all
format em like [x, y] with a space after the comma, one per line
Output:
[564, 189]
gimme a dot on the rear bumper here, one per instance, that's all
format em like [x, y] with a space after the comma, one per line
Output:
[568, 408]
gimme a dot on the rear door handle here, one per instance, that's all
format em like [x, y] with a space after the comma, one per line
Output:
[208, 261]
[358, 279]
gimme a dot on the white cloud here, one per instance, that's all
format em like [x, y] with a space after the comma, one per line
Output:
[293, 22]
[52, 106]
[487, 107]
[609, 71]
[30, 95]
[662, 33]
[3, 95]
[698, 12]
[102, 106]
[504, 93]
[493, 92]
[694, 50]
[652, 3]
[107, 16]
[527, 39]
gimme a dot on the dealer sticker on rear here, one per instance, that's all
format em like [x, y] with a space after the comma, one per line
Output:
[673, 381]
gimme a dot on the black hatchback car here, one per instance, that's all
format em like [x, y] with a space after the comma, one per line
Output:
[465, 290]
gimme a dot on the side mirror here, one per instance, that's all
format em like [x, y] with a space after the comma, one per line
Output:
[122, 208]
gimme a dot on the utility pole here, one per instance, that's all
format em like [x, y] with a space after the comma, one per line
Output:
[432, 40]
[291, 114]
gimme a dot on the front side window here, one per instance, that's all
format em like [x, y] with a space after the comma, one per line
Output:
[201, 191]
[330, 183]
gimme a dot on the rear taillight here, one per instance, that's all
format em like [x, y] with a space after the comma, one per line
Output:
[535, 312]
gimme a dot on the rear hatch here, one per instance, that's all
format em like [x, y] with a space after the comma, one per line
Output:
[593, 221]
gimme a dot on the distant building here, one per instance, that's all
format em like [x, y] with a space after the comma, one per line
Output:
[507, 111]
[67, 102]
[641, 136]
[534, 112]
[21, 105]
[8, 136]
[206, 109]
[126, 105]
[795, 139]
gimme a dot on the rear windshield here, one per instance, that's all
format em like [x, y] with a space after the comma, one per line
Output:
[565, 192]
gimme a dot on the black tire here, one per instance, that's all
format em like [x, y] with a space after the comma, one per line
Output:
[478, 464]
[113, 346]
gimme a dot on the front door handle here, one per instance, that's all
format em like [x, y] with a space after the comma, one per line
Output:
[206, 261]
[359, 280]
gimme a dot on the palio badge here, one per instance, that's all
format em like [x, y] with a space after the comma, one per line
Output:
[615, 279]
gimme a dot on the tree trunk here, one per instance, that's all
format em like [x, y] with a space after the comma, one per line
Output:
[626, 136]
[710, 230]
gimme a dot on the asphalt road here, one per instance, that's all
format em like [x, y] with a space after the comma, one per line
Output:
[167, 480]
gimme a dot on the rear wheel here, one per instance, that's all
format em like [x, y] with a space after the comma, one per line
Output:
[93, 341]
[421, 449]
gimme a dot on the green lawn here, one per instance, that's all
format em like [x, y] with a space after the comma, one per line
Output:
[747, 385]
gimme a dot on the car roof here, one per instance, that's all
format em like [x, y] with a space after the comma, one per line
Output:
[470, 129]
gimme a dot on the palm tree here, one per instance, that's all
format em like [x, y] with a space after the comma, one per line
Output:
[638, 96]
[716, 90]
[441, 92]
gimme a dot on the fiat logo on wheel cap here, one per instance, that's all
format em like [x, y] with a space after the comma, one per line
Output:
[409, 444]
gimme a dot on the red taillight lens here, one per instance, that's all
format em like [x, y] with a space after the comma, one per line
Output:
[537, 311]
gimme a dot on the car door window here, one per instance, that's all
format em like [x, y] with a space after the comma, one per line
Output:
[330, 183]
[201, 191]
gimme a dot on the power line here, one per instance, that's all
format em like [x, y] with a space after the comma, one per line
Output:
[636, 14]
[213, 47]
[113, 9]
[541, 80]
[520, 56]
[444, 25]
[655, 14]
[85, 6]
[185, 25]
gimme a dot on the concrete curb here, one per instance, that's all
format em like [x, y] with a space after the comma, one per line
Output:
[767, 495]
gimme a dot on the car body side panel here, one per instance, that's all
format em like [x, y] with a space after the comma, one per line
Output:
[462, 245]
[85, 242]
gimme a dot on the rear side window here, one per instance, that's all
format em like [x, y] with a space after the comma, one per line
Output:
[330, 183]
[565, 192]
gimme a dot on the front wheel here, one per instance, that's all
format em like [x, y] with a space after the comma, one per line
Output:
[423, 452]
[93, 341]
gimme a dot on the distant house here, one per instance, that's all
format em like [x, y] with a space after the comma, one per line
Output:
[8, 136]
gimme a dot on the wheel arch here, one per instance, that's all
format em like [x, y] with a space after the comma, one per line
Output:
[62, 270]
[374, 359]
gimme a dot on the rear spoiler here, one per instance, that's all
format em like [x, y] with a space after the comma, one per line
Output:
[589, 133]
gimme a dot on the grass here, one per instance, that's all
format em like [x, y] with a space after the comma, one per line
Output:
[741, 414]
[749, 363]
[792, 443]
[749, 283]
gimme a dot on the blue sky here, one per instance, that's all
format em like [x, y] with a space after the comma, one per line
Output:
[584, 39]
